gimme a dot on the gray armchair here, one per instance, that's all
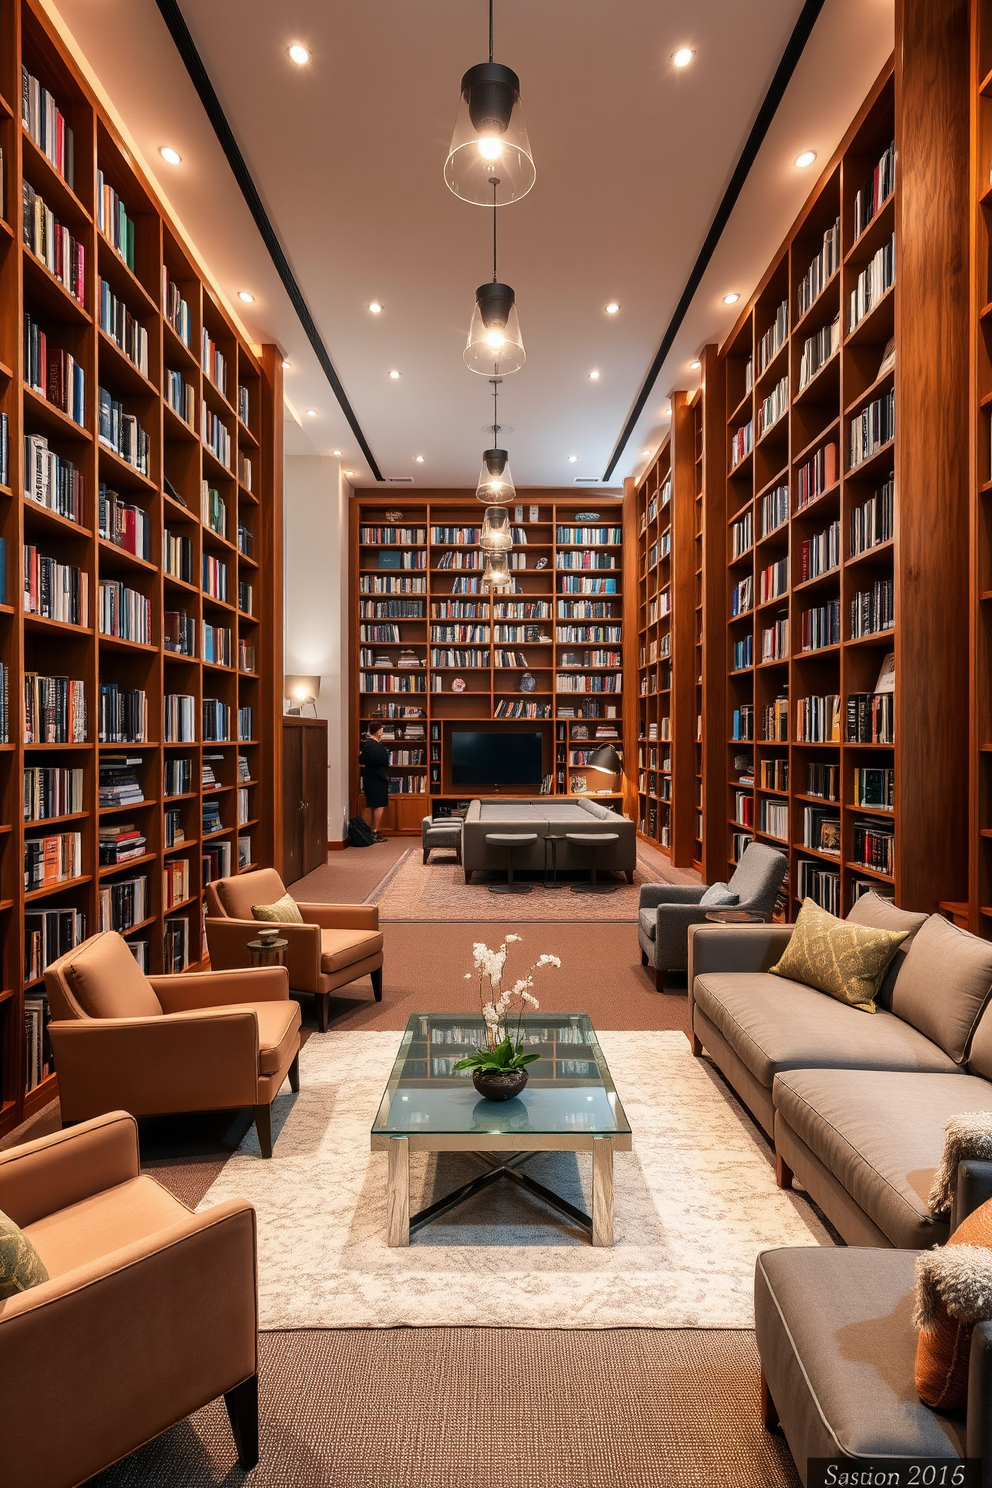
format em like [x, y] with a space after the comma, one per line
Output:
[665, 911]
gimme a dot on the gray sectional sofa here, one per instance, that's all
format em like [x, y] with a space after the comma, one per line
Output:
[856, 1103]
[543, 816]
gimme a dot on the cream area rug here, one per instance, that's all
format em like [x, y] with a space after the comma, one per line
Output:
[695, 1202]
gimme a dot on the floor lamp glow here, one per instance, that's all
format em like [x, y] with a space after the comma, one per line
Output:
[301, 691]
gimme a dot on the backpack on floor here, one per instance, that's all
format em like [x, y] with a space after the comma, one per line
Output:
[360, 834]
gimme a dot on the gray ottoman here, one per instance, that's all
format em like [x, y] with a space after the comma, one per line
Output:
[444, 833]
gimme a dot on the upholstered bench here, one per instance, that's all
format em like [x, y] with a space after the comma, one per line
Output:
[445, 832]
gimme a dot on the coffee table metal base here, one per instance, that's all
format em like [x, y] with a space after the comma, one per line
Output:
[400, 1222]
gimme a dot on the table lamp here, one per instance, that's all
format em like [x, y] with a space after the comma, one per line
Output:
[301, 691]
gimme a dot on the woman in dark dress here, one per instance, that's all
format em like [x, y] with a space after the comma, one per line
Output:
[374, 760]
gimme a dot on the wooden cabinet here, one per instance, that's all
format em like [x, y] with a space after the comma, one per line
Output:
[304, 776]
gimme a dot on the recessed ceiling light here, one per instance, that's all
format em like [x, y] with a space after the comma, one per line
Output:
[806, 158]
[731, 299]
[248, 299]
[311, 413]
[668, 413]
[286, 365]
[394, 375]
[336, 452]
[612, 308]
[419, 459]
[299, 54]
[375, 308]
[573, 459]
[646, 454]
[683, 56]
[349, 472]
[594, 376]
[170, 155]
[695, 366]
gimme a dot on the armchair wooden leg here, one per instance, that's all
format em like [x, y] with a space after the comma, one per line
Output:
[629, 872]
[644, 958]
[695, 1045]
[783, 1173]
[376, 977]
[242, 1412]
[294, 1074]
[323, 1009]
[769, 1414]
[263, 1126]
[427, 853]
[659, 979]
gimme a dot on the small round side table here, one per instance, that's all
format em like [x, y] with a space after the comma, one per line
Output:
[553, 838]
[268, 952]
[736, 917]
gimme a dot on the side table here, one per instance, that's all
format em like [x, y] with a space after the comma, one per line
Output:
[268, 952]
[552, 840]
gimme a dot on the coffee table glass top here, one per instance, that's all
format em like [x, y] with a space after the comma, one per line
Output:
[570, 1089]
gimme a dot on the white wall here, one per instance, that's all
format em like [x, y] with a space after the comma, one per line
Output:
[316, 590]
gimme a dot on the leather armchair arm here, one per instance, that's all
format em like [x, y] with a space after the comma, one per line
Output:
[978, 1439]
[206, 989]
[974, 1186]
[200, 1060]
[341, 916]
[158, 1327]
[228, 943]
[664, 893]
[66, 1167]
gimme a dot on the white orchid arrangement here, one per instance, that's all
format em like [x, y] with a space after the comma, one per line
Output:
[504, 1049]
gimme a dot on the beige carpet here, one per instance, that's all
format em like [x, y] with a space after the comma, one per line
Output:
[413, 890]
[695, 1203]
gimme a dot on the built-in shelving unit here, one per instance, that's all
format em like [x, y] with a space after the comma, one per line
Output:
[432, 650]
[139, 504]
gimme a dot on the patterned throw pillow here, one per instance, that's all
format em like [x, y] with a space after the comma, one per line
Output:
[953, 1293]
[21, 1267]
[285, 911]
[845, 960]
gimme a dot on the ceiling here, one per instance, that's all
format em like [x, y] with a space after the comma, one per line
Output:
[633, 156]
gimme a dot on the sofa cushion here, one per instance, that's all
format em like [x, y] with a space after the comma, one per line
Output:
[881, 914]
[717, 896]
[843, 959]
[21, 1267]
[835, 1332]
[944, 984]
[773, 1024]
[340, 949]
[107, 981]
[648, 921]
[881, 1134]
[284, 911]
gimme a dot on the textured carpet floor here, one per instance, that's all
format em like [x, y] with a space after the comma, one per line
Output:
[695, 1202]
[471, 1407]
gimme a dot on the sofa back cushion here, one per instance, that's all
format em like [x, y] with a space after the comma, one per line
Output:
[106, 981]
[881, 914]
[237, 895]
[943, 987]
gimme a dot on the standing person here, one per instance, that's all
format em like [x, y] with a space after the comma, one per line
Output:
[374, 760]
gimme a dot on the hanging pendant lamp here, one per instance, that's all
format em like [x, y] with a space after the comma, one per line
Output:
[496, 574]
[495, 486]
[497, 534]
[489, 159]
[495, 347]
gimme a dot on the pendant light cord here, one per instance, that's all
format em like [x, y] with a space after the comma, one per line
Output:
[495, 211]
[490, 30]
[495, 383]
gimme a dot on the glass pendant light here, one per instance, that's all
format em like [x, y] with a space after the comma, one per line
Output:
[497, 535]
[495, 486]
[495, 347]
[489, 159]
[496, 574]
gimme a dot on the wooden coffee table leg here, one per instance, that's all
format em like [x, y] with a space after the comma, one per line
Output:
[398, 1192]
[602, 1191]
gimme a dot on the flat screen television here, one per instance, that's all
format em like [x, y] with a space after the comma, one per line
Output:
[492, 758]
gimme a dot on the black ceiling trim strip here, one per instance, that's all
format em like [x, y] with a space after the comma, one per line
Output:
[173, 17]
[783, 75]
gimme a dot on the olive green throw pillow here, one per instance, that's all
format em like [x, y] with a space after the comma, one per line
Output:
[21, 1267]
[285, 911]
[846, 960]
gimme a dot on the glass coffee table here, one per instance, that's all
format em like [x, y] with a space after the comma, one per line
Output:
[570, 1104]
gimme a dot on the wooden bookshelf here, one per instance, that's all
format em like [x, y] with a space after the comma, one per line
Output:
[160, 476]
[434, 545]
[980, 877]
[816, 596]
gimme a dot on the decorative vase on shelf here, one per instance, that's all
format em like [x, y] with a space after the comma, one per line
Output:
[499, 1085]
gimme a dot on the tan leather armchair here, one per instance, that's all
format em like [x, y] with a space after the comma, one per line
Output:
[338, 943]
[149, 1312]
[202, 1041]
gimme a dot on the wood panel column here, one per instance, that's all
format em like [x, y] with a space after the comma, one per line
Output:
[683, 625]
[716, 727]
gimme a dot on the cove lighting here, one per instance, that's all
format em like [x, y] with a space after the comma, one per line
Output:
[375, 308]
[299, 54]
[683, 56]
[245, 297]
[170, 155]
[612, 308]
[806, 158]
[394, 375]
[731, 299]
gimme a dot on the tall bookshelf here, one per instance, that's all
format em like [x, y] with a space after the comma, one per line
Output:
[980, 897]
[137, 447]
[422, 624]
[829, 577]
